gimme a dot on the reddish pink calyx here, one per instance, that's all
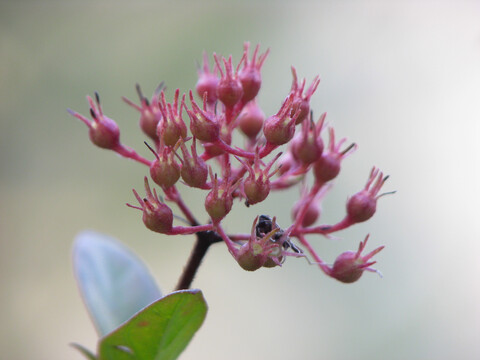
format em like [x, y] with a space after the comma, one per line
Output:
[207, 82]
[150, 113]
[219, 200]
[257, 185]
[260, 251]
[251, 119]
[250, 75]
[165, 171]
[362, 205]
[203, 124]
[156, 215]
[194, 170]
[310, 214]
[349, 266]
[103, 131]
[301, 102]
[171, 127]
[229, 88]
[307, 146]
[327, 167]
[280, 128]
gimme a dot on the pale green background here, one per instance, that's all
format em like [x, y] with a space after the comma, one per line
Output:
[402, 79]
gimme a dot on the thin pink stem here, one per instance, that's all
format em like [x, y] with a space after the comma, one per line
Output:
[324, 267]
[131, 154]
[324, 229]
[239, 237]
[187, 230]
[230, 244]
[313, 192]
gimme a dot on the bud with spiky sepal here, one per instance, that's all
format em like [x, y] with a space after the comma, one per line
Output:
[349, 266]
[156, 215]
[203, 124]
[280, 128]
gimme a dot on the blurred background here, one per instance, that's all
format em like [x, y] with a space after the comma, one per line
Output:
[401, 79]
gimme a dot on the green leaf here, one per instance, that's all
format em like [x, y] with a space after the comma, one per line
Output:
[159, 332]
[114, 283]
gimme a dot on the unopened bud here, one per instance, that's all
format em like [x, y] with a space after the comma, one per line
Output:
[251, 120]
[103, 131]
[312, 213]
[362, 205]
[219, 200]
[280, 128]
[251, 257]
[257, 184]
[349, 266]
[250, 76]
[229, 88]
[203, 124]
[261, 249]
[150, 113]
[327, 167]
[301, 102]
[307, 146]
[156, 215]
[194, 170]
[165, 171]
[207, 82]
[171, 127]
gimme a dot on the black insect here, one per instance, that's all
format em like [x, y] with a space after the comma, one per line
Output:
[265, 225]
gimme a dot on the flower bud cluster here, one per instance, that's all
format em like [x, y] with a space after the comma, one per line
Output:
[193, 145]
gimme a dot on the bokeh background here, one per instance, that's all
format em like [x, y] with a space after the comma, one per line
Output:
[401, 79]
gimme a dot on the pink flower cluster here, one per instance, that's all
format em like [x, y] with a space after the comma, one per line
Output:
[184, 154]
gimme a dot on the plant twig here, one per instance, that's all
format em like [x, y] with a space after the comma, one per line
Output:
[203, 242]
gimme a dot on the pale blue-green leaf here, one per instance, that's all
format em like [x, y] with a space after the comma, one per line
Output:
[114, 283]
[161, 331]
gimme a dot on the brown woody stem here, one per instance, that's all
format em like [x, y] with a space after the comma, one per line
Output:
[203, 242]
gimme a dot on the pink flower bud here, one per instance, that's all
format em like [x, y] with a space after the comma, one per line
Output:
[327, 167]
[171, 127]
[149, 112]
[156, 215]
[251, 120]
[229, 88]
[251, 256]
[256, 189]
[250, 76]
[307, 146]
[207, 82]
[103, 131]
[349, 266]
[194, 170]
[312, 212]
[165, 171]
[301, 103]
[307, 210]
[280, 128]
[362, 205]
[260, 250]
[219, 200]
[257, 184]
[203, 125]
